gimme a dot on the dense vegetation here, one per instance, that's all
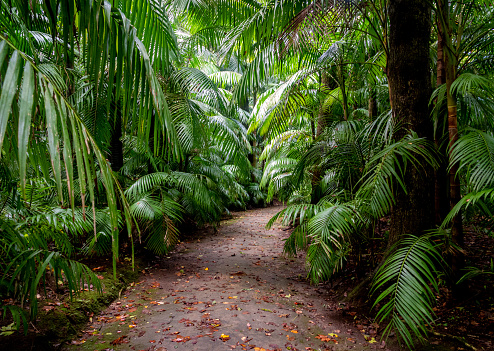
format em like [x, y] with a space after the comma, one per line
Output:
[122, 119]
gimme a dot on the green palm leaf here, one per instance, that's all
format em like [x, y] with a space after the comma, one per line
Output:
[406, 283]
[474, 152]
[385, 171]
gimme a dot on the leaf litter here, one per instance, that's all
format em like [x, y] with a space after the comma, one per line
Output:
[248, 296]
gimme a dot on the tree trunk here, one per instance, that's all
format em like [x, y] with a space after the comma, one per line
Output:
[409, 83]
[454, 183]
[151, 141]
[322, 116]
[116, 145]
[441, 195]
[450, 63]
[344, 97]
[372, 103]
[254, 142]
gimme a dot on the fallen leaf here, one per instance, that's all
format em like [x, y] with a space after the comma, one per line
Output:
[224, 337]
[238, 273]
[325, 338]
[75, 342]
[119, 340]
[180, 338]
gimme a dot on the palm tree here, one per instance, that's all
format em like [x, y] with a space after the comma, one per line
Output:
[463, 32]
[154, 113]
[84, 104]
[391, 184]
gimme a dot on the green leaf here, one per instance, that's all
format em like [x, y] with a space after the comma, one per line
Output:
[406, 283]
[9, 89]
[26, 100]
[53, 138]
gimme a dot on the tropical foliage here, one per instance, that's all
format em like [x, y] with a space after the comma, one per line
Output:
[121, 120]
[111, 129]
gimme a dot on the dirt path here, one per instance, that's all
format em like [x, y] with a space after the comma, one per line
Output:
[232, 290]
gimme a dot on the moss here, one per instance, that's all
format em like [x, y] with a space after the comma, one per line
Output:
[64, 322]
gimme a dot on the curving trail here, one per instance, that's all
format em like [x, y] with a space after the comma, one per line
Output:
[230, 290]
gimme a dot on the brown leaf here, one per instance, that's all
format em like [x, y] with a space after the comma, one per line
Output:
[238, 273]
[119, 340]
[180, 338]
[325, 338]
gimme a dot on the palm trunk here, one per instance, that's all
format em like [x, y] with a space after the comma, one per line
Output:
[409, 83]
[116, 145]
[321, 117]
[344, 96]
[151, 141]
[372, 103]
[254, 142]
[321, 125]
[454, 183]
[450, 60]
[441, 176]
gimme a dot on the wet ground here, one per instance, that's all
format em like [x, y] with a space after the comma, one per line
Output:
[230, 290]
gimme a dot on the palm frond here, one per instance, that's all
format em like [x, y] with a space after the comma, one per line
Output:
[474, 152]
[386, 169]
[29, 260]
[406, 284]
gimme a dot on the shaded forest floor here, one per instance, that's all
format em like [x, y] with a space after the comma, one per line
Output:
[234, 290]
[230, 290]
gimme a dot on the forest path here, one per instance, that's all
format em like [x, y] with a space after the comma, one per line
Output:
[230, 290]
